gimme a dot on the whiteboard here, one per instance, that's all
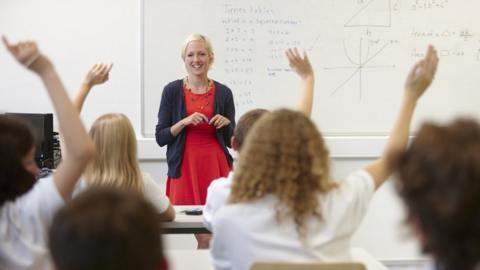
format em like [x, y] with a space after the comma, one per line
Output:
[361, 51]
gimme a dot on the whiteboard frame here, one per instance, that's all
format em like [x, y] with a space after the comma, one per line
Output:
[341, 147]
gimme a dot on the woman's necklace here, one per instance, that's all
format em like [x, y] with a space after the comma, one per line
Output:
[200, 98]
[200, 90]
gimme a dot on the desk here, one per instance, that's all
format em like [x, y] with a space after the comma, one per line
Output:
[201, 259]
[185, 224]
[371, 263]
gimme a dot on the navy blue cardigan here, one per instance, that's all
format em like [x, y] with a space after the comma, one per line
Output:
[172, 109]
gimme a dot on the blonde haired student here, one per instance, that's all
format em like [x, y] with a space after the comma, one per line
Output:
[27, 206]
[116, 162]
[284, 205]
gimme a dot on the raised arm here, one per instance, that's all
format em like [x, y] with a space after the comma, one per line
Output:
[77, 142]
[301, 65]
[418, 80]
[97, 74]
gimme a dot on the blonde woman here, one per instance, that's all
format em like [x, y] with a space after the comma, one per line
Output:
[196, 119]
[284, 204]
[116, 163]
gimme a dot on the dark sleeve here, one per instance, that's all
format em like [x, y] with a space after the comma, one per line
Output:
[230, 114]
[165, 118]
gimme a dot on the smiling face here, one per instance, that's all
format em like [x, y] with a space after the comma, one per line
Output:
[197, 58]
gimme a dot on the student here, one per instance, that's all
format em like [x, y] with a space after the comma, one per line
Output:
[438, 179]
[116, 163]
[284, 204]
[27, 205]
[107, 228]
[219, 190]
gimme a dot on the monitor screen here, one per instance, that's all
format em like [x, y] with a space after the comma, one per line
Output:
[43, 126]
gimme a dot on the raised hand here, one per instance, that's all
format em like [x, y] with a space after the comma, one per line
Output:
[300, 64]
[97, 74]
[78, 147]
[27, 54]
[219, 121]
[418, 80]
[422, 74]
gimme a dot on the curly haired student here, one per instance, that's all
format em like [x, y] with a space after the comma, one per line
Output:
[219, 190]
[284, 205]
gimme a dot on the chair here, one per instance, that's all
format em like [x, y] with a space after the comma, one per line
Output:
[307, 266]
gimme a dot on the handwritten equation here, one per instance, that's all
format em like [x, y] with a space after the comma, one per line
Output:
[255, 38]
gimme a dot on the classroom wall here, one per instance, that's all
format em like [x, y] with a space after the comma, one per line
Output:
[76, 34]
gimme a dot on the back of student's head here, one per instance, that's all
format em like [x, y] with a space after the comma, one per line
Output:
[285, 155]
[244, 125]
[439, 181]
[16, 141]
[107, 229]
[115, 163]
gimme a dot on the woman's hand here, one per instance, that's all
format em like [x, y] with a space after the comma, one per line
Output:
[219, 121]
[194, 119]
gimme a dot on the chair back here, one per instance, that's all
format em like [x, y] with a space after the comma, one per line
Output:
[307, 266]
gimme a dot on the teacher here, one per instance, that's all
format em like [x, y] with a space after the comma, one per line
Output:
[196, 121]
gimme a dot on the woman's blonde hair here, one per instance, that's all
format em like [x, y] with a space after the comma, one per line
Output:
[286, 156]
[115, 162]
[198, 37]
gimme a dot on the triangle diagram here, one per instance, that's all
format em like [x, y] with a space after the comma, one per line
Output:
[375, 13]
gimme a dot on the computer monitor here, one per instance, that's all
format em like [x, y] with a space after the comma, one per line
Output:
[43, 126]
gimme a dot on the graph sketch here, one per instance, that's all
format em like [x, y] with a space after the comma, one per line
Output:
[375, 13]
[360, 63]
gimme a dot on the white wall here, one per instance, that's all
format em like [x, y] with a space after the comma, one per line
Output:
[76, 34]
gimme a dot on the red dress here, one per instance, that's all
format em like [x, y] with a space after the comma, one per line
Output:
[203, 157]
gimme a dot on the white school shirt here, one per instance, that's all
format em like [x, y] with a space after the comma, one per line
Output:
[247, 232]
[24, 225]
[151, 190]
[217, 194]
